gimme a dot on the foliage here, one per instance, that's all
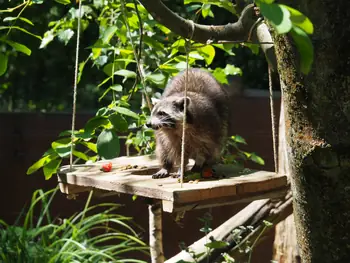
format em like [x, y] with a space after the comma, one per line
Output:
[239, 156]
[239, 236]
[135, 56]
[118, 52]
[286, 19]
[84, 237]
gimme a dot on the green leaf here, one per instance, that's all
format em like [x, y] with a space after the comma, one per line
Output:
[108, 145]
[94, 123]
[195, 55]
[63, 2]
[232, 70]
[266, 1]
[12, 18]
[126, 74]
[48, 37]
[217, 244]
[65, 35]
[220, 75]
[255, 48]
[300, 20]
[220, 3]
[81, 69]
[18, 47]
[119, 122]
[108, 34]
[157, 79]
[305, 49]
[116, 87]
[153, 43]
[278, 15]
[206, 11]
[267, 223]
[239, 139]
[62, 147]
[81, 155]
[257, 159]
[3, 63]
[164, 29]
[90, 145]
[51, 168]
[208, 52]
[126, 112]
[97, 48]
[181, 65]
[41, 162]
[225, 47]
[169, 68]
[98, 3]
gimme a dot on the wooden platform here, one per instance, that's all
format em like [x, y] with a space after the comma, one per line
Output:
[132, 175]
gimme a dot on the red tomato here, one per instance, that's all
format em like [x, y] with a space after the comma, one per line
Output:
[107, 167]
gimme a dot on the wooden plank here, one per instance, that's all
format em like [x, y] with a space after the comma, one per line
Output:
[172, 207]
[132, 175]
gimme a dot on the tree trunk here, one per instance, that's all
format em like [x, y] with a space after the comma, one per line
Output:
[317, 122]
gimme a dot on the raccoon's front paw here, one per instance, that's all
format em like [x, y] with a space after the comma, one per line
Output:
[162, 173]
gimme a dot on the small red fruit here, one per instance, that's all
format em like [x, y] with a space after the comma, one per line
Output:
[107, 167]
[207, 172]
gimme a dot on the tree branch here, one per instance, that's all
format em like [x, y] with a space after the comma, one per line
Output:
[237, 31]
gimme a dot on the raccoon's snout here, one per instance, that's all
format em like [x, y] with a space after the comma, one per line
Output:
[156, 124]
[148, 124]
[152, 125]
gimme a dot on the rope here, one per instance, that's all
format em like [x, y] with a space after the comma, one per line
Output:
[75, 85]
[187, 48]
[273, 123]
[137, 58]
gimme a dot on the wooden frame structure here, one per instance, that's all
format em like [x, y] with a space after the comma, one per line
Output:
[132, 175]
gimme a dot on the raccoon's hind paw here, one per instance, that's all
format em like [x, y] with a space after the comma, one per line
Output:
[162, 173]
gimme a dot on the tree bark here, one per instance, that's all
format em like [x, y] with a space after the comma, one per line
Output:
[317, 123]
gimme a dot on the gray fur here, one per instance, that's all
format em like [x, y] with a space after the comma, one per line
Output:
[207, 121]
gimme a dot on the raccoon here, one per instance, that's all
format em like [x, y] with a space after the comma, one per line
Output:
[206, 122]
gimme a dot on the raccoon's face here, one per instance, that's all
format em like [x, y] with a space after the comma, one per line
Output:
[167, 113]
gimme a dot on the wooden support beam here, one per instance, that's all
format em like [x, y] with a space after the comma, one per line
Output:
[155, 232]
[252, 215]
[285, 247]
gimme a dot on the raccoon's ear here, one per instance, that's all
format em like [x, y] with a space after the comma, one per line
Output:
[180, 103]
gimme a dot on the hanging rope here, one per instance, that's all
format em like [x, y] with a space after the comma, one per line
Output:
[273, 123]
[187, 49]
[75, 86]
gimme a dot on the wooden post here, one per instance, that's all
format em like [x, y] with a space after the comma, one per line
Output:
[155, 232]
[285, 249]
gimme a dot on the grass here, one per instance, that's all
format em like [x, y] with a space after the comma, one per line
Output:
[86, 236]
